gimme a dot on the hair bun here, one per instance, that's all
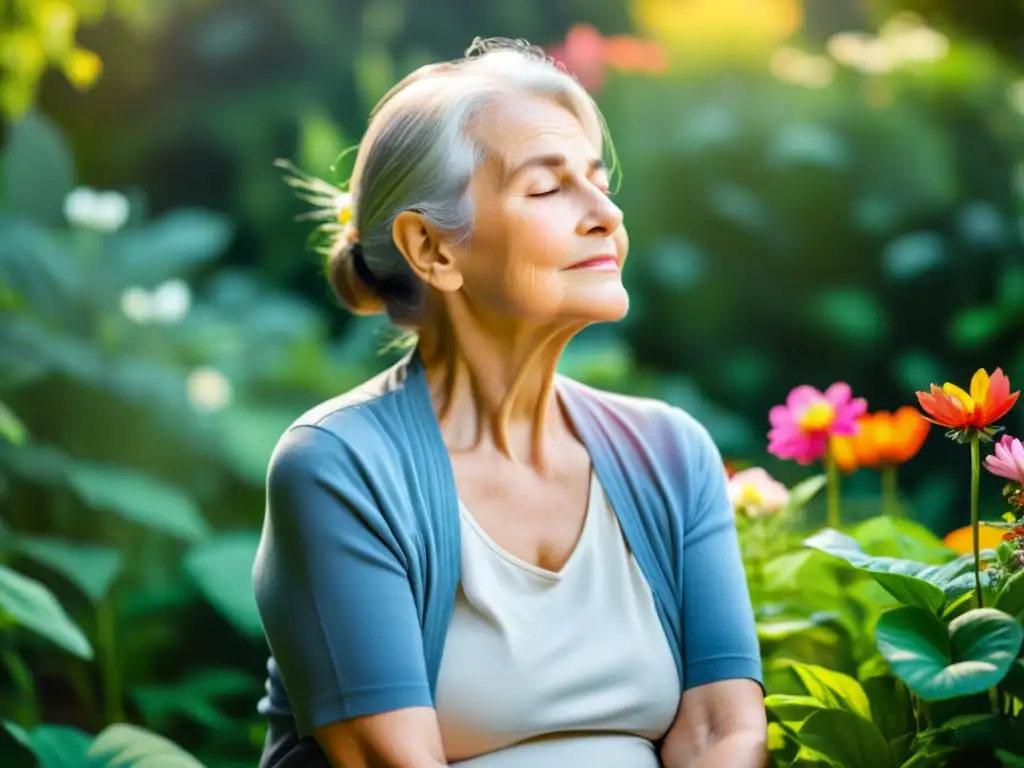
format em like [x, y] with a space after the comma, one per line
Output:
[347, 273]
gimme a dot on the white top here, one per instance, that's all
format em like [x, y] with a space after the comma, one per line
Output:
[567, 669]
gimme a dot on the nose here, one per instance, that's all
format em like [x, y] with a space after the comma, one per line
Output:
[603, 217]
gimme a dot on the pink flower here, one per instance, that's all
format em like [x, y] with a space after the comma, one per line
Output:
[802, 427]
[1008, 460]
[754, 492]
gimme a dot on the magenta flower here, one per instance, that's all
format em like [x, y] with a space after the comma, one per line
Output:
[802, 427]
[1008, 459]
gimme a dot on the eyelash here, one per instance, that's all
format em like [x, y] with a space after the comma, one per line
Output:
[558, 189]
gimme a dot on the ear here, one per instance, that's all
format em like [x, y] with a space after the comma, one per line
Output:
[423, 247]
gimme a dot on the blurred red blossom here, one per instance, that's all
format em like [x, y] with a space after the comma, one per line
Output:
[587, 54]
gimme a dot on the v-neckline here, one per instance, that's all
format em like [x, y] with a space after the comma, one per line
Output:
[579, 546]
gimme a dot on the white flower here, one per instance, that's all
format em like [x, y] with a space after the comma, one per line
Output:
[208, 389]
[171, 301]
[754, 492]
[167, 304]
[101, 211]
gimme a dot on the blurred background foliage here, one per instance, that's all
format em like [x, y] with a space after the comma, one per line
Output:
[818, 190]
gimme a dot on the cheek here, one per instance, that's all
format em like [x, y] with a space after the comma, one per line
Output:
[543, 233]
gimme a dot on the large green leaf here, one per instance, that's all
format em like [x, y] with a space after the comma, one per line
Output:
[902, 578]
[972, 654]
[832, 688]
[222, 570]
[54, 746]
[91, 568]
[886, 536]
[845, 738]
[37, 170]
[39, 266]
[140, 498]
[891, 705]
[29, 604]
[169, 247]
[897, 577]
[128, 746]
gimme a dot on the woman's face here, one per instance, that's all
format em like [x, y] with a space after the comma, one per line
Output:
[548, 244]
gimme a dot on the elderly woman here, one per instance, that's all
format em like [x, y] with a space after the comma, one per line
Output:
[471, 560]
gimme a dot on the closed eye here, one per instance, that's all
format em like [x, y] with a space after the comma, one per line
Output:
[547, 193]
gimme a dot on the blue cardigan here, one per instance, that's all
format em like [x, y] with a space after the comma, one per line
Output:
[358, 565]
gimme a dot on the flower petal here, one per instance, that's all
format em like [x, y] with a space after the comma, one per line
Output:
[781, 416]
[979, 386]
[801, 397]
[838, 394]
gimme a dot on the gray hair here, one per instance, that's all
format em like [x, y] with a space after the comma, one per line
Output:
[417, 156]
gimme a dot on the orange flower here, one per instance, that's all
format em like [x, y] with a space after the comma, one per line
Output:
[882, 439]
[989, 400]
[961, 540]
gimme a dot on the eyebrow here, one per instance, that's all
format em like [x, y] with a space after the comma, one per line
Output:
[549, 161]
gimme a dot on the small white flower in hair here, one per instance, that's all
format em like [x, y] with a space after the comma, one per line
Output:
[343, 207]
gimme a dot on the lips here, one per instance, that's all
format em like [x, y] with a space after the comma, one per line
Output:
[598, 262]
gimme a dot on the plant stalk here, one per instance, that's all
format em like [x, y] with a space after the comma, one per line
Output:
[890, 491]
[27, 705]
[832, 487]
[111, 670]
[975, 482]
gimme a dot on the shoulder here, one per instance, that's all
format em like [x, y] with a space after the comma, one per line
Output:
[657, 425]
[353, 431]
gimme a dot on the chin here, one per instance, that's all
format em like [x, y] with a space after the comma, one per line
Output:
[600, 309]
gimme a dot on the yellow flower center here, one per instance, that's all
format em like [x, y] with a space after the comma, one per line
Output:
[818, 416]
[751, 497]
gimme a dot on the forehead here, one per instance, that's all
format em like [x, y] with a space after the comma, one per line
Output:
[524, 125]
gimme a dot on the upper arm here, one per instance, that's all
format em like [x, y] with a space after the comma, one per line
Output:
[719, 635]
[712, 713]
[333, 591]
[403, 738]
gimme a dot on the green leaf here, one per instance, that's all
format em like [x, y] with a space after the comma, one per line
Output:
[194, 698]
[984, 732]
[953, 577]
[802, 493]
[975, 326]
[886, 536]
[93, 569]
[1011, 596]
[833, 689]
[791, 709]
[32, 606]
[896, 576]
[845, 738]
[37, 170]
[169, 247]
[931, 756]
[891, 706]
[58, 746]
[937, 663]
[222, 570]
[139, 498]
[128, 746]
[11, 428]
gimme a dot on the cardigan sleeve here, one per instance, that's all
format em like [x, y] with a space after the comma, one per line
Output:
[719, 634]
[331, 580]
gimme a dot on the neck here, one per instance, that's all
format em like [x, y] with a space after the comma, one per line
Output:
[493, 383]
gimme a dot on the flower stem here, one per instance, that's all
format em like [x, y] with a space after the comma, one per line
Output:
[975, 481]
[832, 478]
[890, 491]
